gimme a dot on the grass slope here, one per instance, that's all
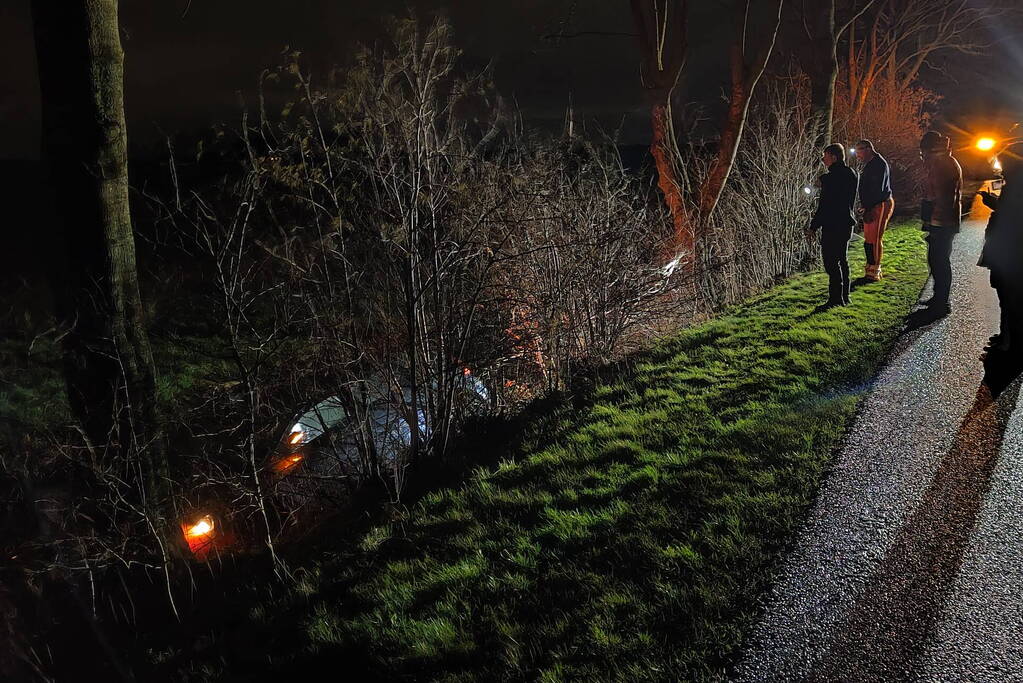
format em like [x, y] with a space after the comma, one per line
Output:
[634, 544]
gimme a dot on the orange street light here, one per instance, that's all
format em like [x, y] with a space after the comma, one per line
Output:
[985, 144]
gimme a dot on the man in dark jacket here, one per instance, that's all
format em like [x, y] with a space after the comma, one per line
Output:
[876, 204]
[940, 212]
[1003, 251]
[834, 218]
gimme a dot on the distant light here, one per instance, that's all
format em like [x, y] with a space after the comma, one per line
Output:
[808, 190]
[296, 437]
[852, 150]
[985, 144]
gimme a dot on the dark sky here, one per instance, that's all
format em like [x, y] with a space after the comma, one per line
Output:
[183, 69]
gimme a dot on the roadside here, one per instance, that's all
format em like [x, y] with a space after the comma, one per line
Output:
[630, 542]
[909, 567]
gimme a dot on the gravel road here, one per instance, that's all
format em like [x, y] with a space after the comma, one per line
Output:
[910, 565]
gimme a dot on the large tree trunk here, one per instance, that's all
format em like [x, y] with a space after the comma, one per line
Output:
[868, 67]
[661, 26]
[662, 148]
[108, 364]
[824, 70]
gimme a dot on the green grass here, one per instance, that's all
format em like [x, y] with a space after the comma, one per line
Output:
[33, 397]
[631, 542]
[32, 394]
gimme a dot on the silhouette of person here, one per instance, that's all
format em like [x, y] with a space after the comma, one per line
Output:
[1003, 252]
[834, 218]
[940, 211]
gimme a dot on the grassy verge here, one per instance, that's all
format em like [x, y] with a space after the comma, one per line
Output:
[632, 544]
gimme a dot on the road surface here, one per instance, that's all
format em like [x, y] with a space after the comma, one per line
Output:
[910, 565]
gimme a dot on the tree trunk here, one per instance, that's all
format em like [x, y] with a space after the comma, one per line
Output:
[663, 150]
[108, 364]
[824, 70]
[731, 135]
[852, 64]
[661, 27]
[861, 96]
[871, 63]
[745, 77]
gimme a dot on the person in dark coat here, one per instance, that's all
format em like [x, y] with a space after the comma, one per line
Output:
[941, 213]
[1003, 251]
[834, 218]
[876, 205]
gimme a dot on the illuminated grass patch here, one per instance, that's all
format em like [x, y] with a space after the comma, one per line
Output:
[633, 542]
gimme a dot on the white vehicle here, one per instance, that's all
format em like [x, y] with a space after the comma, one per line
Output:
[366, 430]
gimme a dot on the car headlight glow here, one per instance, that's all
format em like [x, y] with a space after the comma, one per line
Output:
[203, 527]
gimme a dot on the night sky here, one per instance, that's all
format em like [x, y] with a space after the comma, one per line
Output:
[185, 68]
[184, 71]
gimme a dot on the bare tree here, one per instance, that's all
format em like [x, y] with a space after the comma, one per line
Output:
[748, 62]
[661, 26]
[779, 158]
[894, 40]
[824, 29]
[581, 271]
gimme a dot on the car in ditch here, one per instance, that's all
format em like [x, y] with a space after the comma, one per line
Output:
[360, 432]
[332, 446]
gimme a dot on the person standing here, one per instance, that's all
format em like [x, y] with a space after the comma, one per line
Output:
[940, 211]
[1003, 251]
[876, 205]
[834, 218]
